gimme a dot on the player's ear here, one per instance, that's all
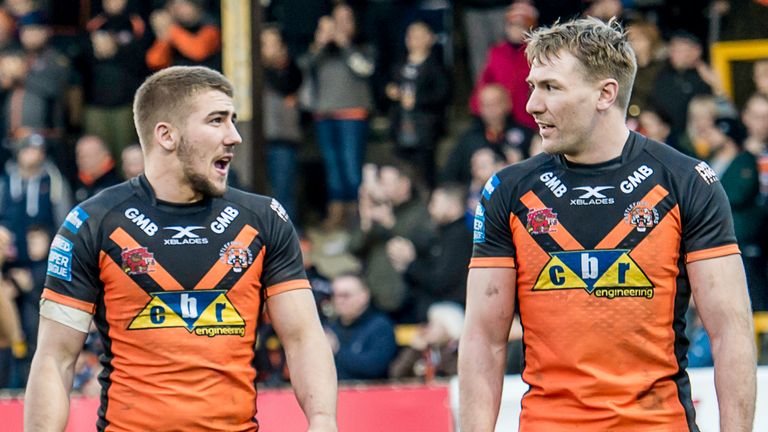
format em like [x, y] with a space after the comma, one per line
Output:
[609, 92]
[166, 136]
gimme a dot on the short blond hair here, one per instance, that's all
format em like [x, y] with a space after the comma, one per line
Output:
[602, 49]
[165, 96]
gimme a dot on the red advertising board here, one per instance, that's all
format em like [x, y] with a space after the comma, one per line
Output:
[370, 409]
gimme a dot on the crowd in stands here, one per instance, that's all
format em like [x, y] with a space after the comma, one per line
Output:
[387, 256]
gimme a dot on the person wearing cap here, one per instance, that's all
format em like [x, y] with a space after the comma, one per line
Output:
[32, 192]
[681, 78]
[737, 170]
[185, 35]
[507, 64]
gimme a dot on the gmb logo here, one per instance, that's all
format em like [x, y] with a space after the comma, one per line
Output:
[608, 273]
[203, 312]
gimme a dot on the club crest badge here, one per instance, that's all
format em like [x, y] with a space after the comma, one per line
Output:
[641, 215]
[542, 221]
[236, 255]
[137, 261]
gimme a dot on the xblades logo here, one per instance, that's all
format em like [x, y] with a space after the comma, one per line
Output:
[184, 236]
[592, 196]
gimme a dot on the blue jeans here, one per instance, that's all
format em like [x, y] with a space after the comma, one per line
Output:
[281, 170]
[342, 144]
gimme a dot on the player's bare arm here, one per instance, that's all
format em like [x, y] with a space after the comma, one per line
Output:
[46, 404]
[483, 347]
[313, 374]
[720, 291]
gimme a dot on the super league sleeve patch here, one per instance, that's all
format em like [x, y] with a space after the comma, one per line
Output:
[490, 186]
[60, 259]
[479, 225]
[707, 173]
[278, 208]
[75, 219]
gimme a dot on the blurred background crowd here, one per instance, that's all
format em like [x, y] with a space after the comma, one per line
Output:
[382, 122]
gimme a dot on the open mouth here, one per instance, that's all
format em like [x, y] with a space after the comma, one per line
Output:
[545, 127]
[222, 164]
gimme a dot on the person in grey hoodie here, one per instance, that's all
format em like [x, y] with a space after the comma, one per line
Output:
[341, 102]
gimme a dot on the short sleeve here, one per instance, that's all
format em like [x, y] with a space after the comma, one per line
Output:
[706, 217]
[283, 264]
[492, 235]
[73, 264]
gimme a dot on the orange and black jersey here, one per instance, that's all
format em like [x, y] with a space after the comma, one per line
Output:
[176, 293]
[600, 254]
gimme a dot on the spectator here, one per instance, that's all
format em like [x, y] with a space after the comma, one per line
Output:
[114, 69]
[7, 33]
[33, 193]
[434, 350]
[37, 83]
[282, 127]
[485, 162]
[755, 118]
[737, 170]
[760, 76]
[389, 208]
[184, 35]
[340, 69]
[507, 64]
[484, 21]
[422, 89]
[13, 344]
[702, 112]
[646, 41]
[132, 161]
[96, 169]
[606, 9]
[656, 124]
[26, 285]
[441, 272]
[362, 339]
[321, 286]
[297, 19]
[496, 129]
[681, 78]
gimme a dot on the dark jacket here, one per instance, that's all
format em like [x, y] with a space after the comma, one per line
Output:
[430, 84]
[441, 274]
[388, 288]
[458, 169]
[89, 188]
[366, 347]
[673, 91]
[43, 200]
[112, 82]
[742, 187]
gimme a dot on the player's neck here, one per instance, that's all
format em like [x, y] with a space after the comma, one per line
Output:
[168, 187]
[605, 143]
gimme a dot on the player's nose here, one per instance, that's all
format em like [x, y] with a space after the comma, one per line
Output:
[535, 104]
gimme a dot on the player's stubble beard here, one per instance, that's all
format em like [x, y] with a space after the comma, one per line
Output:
[198, 181]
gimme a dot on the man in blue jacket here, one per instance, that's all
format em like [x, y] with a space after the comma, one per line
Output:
[362, 339]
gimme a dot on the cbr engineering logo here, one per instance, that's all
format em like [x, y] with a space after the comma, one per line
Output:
[608, 273]
[203, 312]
